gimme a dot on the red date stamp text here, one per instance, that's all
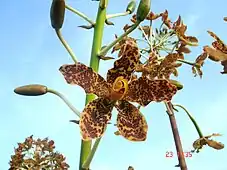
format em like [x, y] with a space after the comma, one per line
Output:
[171, 154]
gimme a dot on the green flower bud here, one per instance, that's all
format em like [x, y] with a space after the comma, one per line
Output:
[143, 10]
[177, 83]
[131, 7]
[31, 90]
[57, 13]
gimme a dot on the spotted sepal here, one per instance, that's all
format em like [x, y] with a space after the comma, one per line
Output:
[94, 118]
[143, 91]
[125, 65]
[89, 80]
[131, 123]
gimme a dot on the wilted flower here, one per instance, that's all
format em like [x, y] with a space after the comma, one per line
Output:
[37, 154]
[199, 143]
[160, 69]
[165, 19]
[219, 51]
[180, 30]
[117, 91]
[196, 69]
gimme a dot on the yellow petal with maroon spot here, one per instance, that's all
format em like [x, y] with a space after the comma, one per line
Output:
[143, 91]
[130, 122]
[86, 78]
[94, 118]
[127, 62]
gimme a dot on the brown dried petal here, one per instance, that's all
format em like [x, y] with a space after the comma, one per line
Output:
[197, 71]
[200, 59]
[218, 44]
[85, 77]
[169, 60]
[180, 28]
[199, 143]
[146, 30]
[215, 55]
[133, 19]
[225, 18]
[126, 64]
[189, 40]
[224, 63]
[215, 144]
[94, 118]
[177, 23]
[165, 19]
[143, 91]
[152, 16]
[126, 27]
[130, 122]
[183, 49]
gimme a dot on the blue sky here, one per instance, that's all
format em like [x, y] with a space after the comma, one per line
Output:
[31, 53]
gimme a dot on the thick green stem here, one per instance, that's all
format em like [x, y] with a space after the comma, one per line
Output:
[107, 48]
[65, 44]
[65, 100]
[117, 15]
[91, 155]
[191, 118]
[80, 14]
[94, 63]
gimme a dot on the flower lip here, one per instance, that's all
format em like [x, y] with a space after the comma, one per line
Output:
[119, 88]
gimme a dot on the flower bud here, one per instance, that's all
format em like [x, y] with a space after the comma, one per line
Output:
[57, 13]
[31, 90]
[143, 10]
[177, 84]
[131, 6]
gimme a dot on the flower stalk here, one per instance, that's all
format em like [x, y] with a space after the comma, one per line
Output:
[117, 15]
[80, 14]
[188, 62]
[77, 112]
[181, 159]
[66, 45]
[107, 48]
[191, 118]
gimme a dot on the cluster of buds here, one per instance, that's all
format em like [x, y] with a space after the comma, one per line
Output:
[37, 154]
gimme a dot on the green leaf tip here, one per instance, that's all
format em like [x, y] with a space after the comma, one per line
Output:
[177, 84]
[131, 7]
[31, 90]
[57, 13]
[143, 10]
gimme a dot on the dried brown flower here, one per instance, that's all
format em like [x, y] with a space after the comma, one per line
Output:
[37, 154]
[199, 143]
